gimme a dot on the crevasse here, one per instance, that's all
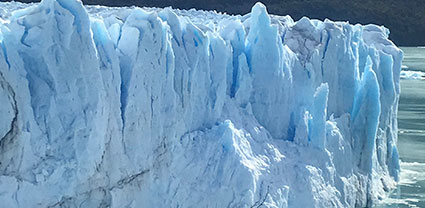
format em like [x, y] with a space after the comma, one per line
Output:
[131, 107]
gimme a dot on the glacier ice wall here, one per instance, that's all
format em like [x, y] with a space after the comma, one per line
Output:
[131, 107]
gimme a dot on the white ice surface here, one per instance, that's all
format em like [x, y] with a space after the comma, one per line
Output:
[131, 107]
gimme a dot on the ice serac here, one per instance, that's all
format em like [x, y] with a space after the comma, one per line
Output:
[132, 107]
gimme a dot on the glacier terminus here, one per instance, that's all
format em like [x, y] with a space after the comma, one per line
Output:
[149, 107]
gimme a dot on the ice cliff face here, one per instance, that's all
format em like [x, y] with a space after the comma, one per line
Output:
[130, 107]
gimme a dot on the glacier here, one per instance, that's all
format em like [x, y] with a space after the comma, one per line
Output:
[151, 107]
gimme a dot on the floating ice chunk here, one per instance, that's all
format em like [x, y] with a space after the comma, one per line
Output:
[412, 75]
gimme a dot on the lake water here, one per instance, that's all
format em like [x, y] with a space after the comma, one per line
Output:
[411, 141]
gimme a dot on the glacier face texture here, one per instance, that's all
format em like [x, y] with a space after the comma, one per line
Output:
[131, 107]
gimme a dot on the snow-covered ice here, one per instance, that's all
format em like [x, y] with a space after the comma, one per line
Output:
[148, 107]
